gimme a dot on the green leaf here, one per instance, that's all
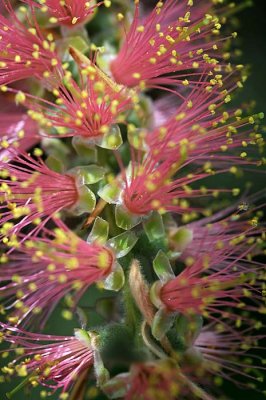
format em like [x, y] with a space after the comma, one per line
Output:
[112, 140]
[57, 149]
[99, 232]
[115, 280]
[110, 193]
[85, 148]
[124, 219]
[162, 322]
[154, 227]
[88, 175]
[86, 202]
[155, 294]
[162, 267]
[123, 243]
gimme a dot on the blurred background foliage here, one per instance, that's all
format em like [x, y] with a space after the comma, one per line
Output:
[251, 26]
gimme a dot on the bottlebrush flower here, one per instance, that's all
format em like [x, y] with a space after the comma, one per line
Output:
[160, 49]
[67, 12]
[30, 192]
[163, 109]
[26, 52]
[44, 269]
[88, 110]
[17, 130]
[164, 185]
[209, 284]
[52, 361]
[155, 380]
[229, 227]
[183, 151]
[148, 381]
[228, 354]
[201, 124]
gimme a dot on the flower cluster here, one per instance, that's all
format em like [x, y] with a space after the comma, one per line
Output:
[60, 262]
[60, 361]
[118, 141]
[19, 132]
[69, 13]
[26, 51]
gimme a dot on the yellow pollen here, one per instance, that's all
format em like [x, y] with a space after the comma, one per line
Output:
[103, 259]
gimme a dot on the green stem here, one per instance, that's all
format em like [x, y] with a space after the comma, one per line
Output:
[132, 313]
[9, 395]
[149, 342]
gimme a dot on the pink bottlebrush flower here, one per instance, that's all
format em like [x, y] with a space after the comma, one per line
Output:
[163, 109]
[45, 269]
[26, 52]
[156, 183]
[17, 130]
[228, 354]
[230, 227]
[155, 380]
[87, 110]
[159, 49]
[67, 12]
[201, 124]
[149, 381]
[30, 192]
[150, 187]
[210, 284]
[192, 145]
[52, 361]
